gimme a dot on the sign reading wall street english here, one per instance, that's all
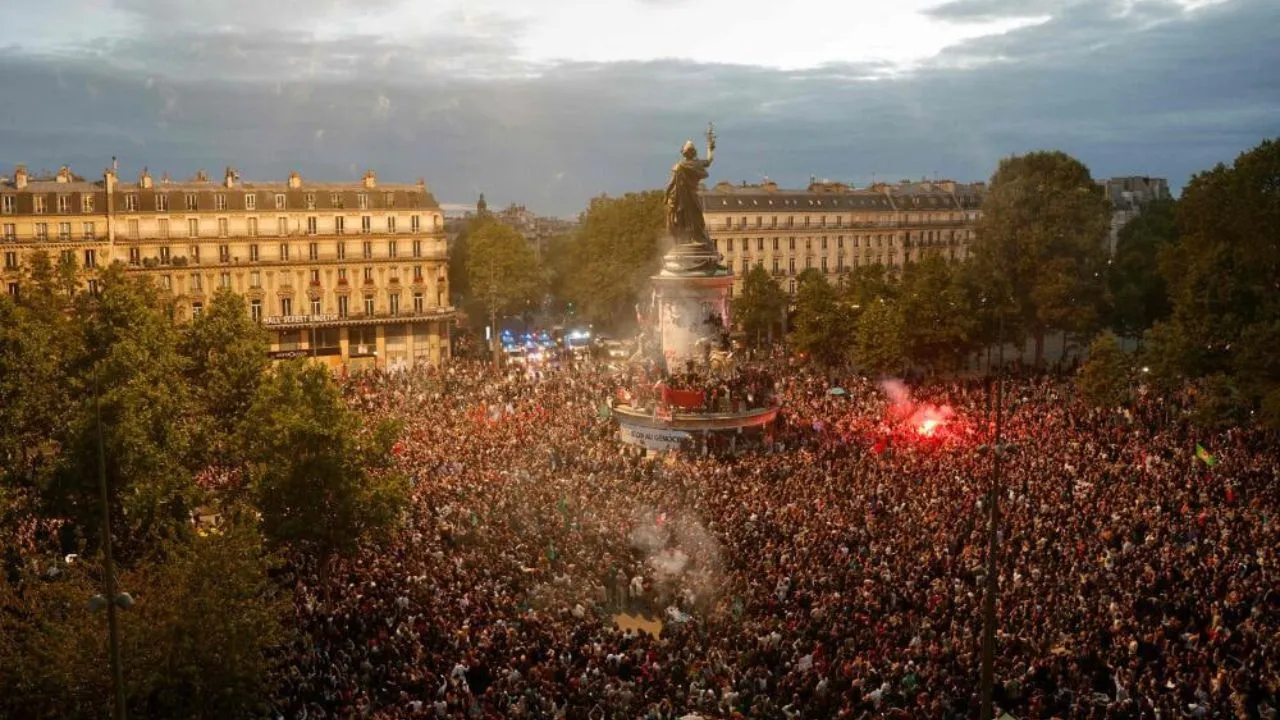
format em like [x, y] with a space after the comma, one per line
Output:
[652, 438]
[298, 319]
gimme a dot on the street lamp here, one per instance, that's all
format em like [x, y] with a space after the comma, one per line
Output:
[119, 599]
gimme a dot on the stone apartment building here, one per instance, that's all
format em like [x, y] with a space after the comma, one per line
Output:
[352, 274]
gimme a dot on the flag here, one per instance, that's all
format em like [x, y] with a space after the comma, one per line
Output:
[551, 551]
[1203, 456]
[475, 520]
[563, 506]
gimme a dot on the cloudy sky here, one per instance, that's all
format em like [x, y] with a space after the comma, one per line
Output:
[551, 102]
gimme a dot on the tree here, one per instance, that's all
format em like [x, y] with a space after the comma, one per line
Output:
[35, 401]
[1040, 245]
[1104, 377]
[197, 641]
[823, 326]
[322, 480]
[614, 252]
[880, 347]
[758, 308]
[1138, 296]
[502, 270]
[937, 314]
[227, 358]
[1222, 275]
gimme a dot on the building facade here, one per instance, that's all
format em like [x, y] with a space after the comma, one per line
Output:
[352, 274]
[1127, 196]
[835, 227]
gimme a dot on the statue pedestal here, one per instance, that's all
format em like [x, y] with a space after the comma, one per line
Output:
[692, 297]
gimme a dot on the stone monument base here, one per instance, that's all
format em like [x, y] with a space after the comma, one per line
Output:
[692, 298]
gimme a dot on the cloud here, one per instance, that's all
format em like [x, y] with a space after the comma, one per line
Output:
[1152, 90]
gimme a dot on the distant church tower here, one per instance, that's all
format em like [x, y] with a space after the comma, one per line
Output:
[482, 207]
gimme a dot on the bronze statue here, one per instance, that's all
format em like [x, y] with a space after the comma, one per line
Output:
[684, 209]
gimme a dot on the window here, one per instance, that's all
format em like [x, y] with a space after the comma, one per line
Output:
[362, 201]
[193, 227]
[195, 253]
[389, 199]
[220, 201]
[67, 257]
[64, 231]
[728, 223]
[38, 201]
[339, 227]
[164, 255]
[222, 227]
[824, 242]
[315, 277]
[251, 203]
[253, 253]
[791, 266]
[286, 307]
[745, 262]
[730, 243]
[393, 303]
[417, 273]
[368, 249]
[311, 201]
[342, 275]
[279, 201]
[418, 304]
[255, 310]
[10, 232]
[131, 202]
[368, 276]
[808, 263]
[87, 230]
[823, 263]
[192, 203]
[284, 251]
[791, 243]
[791, 287]
[42, 231]
[391, 248]
[253, 227]
[342, 306]
[315, 306]
[742, 222]
[773, 221]
[335, 200]
[93, 286]
[86, 203]
[224, 281]
[312, 225]
[839, 263]
[806, 221]
[196, 282]
[342, 251]
[224, 253]
[808, 243]
[839, 242]
[394, 274]
[415, 223]
[13, 289]
[391, 223]
[760, 244]
[759, 221]
[366, 224]
[10, 260]
[162, 203]
[131, 228]
[6, 204]
[368, 304]
[313, 251]
[166, 282]
[135, 256]
[91, 258]
[775, 244]
[417, 248]
[255, 279]
[196, 309]
[282, 226]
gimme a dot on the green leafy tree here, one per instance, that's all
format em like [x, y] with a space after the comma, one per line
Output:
[613, 253]
[1040, 245]
[940, 321]
[227, 359]
[1222, 275]
[197, 642]
[865, 284]
[1104, 377]
[881, 344]
[759, 308]
[35, 398]
[134, 367]
[502, 270]
[1137, 293]
[822, 324]
[322, 480]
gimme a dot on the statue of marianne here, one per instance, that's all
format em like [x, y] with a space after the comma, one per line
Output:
[684, 209]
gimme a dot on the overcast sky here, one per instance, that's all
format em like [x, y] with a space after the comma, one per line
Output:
[549, 103]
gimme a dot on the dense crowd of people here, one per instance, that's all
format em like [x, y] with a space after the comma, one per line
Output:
[837, 575]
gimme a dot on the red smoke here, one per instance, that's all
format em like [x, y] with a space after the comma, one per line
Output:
[922, 419]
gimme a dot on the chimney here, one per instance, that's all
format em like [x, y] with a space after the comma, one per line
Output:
[295, 181]
[64, 175]
[202, 176]
[20, 177]
[144, 180]
[370, 179]
[230, 177]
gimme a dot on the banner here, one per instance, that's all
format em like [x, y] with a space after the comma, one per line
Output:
[652, 438]
[687, 399]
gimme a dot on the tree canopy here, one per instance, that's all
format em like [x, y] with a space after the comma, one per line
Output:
[759, 308]
[823, 324]
[503, 273]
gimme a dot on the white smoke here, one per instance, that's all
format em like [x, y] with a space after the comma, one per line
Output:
[681, 553]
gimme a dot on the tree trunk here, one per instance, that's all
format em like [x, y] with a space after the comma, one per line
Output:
[1039, 357]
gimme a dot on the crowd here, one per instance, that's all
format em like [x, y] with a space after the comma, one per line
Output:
[838, 575]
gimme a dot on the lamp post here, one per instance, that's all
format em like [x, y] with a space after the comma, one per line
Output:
[993, 542]
[116, 599]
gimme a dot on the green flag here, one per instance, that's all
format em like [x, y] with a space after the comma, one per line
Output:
[563, 506]
[1203, 456]
[475, 520]
[551, 551]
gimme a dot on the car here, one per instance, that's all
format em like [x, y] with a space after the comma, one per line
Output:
[615, 349]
